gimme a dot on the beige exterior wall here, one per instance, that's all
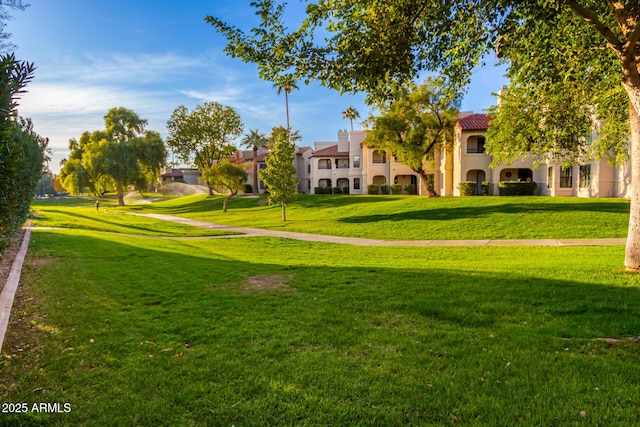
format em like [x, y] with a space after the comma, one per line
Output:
[464, 160]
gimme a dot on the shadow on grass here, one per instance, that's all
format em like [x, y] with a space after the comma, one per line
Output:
[169, 323]
[98, 221]
[455, 213]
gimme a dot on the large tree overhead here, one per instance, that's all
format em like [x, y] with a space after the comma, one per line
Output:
[418, 120]
[204, 135]
[581, 57]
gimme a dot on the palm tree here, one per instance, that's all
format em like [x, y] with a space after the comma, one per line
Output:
[351, 113]
[255, 140]
[286, 84]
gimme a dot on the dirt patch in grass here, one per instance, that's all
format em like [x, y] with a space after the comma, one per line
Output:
[267, 283]
[39, 262]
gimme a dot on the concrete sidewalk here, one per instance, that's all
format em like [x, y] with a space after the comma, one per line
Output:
[253, 232]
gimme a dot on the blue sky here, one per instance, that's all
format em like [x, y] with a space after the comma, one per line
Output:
[152, 56]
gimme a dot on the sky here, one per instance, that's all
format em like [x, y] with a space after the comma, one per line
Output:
[152, 56]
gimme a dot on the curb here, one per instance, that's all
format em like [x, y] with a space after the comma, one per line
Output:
[9, 290]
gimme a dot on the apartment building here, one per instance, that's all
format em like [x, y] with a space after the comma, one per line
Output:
[588, 178]
[351, 165]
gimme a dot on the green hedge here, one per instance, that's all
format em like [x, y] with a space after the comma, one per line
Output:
[467, 188]
[396, 189]
[373, 189]
[384, 189]
[336, 190]
[322, 190]
[21, 151]
[485, 188]
[411, 189]
[517, 188]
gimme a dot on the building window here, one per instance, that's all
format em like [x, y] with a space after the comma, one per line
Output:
[550, 177]
[379, 157]
[566, 177]
[356, 161]
[309, 168]
[342, 163]
[585, 176]
[261, 185]
[356, 183]
[324, 164]
[476, 145]
[262, 166]
[308, 185]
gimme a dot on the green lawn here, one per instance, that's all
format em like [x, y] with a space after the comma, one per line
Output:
[416, 218]
[263, 331]
[81, 214]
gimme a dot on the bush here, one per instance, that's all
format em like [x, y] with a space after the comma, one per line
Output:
[411, 189]
[396, 189]
[373, 189]
[345, 190]
[517, 188]
[485, 188]
[322, 190]
[467, 188]
[336, 190]
[248, 188]
[384, 189]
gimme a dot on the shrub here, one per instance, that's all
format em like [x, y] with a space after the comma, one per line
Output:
[336, 190]
[384, 189]
[322, 190]
[396, 189]
[517, 188]
[248, 188]
[467, 188]
[373, 189]
[485, 188]
[411, 189]
[345, 190]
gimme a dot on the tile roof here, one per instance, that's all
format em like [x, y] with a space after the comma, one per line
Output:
[474, 122]
[330, 152]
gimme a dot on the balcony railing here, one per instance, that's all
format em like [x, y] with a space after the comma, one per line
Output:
[475, 150]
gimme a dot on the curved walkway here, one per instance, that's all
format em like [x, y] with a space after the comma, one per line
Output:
[253, 232]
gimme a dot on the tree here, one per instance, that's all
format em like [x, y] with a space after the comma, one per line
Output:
[205, 135]
[279, 174]
[255, 140]
[57, 185]
[5, 45]
[419, 119]
[351, 114]
[286, 84]
[227, 175]
[123, 154]
[581, 56]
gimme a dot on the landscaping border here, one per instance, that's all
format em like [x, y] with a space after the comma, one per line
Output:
[11, 285]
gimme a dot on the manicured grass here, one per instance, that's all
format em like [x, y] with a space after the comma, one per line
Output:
[417, 218]
[81, 214]
[141, 331]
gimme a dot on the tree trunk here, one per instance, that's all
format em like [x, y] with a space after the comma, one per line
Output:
[632, 254]
[284, 212]
[431, 192]
[210, 189]
[255, 170]
[224, 203]
[120, 193]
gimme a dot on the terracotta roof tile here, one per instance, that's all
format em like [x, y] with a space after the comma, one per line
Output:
[330, 152]
[474, 122]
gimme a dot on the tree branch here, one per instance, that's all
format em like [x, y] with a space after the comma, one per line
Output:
[633, 39]
[591, 18]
